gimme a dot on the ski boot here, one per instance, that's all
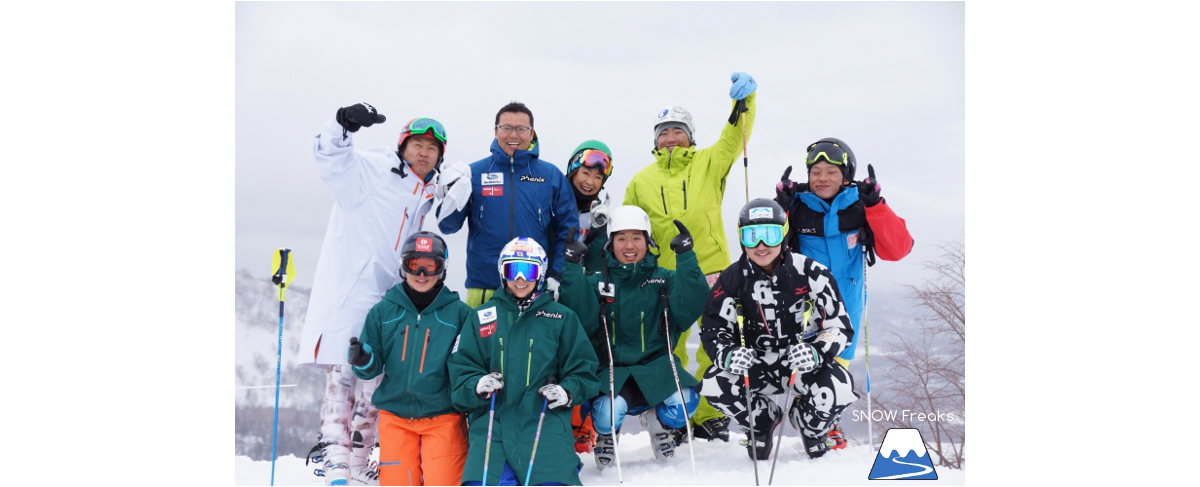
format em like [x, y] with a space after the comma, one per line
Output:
[713, 429]
[816, 447]
[661, 440]
[763, 441]
[837, 438]
[605, 450]
[333, 462]
[364, 466]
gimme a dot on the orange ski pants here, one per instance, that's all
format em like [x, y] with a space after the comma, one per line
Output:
[427, 451]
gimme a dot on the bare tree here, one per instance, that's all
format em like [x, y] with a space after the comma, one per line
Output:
[928, 375]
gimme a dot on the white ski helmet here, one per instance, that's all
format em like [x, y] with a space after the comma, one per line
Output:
[675, 116]
[527, 250]
[628, 217]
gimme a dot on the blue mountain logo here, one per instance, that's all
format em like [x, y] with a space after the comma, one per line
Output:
[902, 456]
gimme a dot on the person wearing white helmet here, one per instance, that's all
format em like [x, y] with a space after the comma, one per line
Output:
[623, 305]
[688, 185]
[521, 352]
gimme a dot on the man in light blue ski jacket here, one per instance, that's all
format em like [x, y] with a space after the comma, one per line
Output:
[513, 194]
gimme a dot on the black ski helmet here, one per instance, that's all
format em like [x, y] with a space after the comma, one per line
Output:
[830, 146]
[761, 211]
[425, 244]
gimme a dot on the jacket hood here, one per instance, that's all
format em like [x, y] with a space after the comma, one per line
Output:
[846, 197]
[399, 297]
[520, 158]
[678, 159]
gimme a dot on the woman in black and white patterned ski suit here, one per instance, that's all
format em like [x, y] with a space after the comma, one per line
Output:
[793, 320]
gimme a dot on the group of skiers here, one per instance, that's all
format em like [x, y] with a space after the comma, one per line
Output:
[584, 318]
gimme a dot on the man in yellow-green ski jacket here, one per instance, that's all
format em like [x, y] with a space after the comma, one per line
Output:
[688, 185]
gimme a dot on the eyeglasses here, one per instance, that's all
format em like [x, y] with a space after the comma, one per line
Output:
[830, 151]
[751, 235]
[520, 129]
[592, 158]
[522, 268]
[423, 266]
[427, 125]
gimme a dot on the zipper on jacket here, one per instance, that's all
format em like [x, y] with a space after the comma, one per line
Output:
[662, 193]
[403, 351]
[424, 347]
[502, 357]
[512, 185]
[529, 363]
[402, 222]
[643, 331]
[540, 220]
[684, 195]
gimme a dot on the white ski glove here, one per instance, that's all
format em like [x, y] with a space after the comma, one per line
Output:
[599, 214]
[556, 395]
[803, 357]
[488, 384]
[453, 187]
[552, 286]
[739, 360]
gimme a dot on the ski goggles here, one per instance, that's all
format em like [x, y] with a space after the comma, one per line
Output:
[592, 158]
[423, 266]
[772, 235]
[529, 270]
[829, 151]
[428, 126]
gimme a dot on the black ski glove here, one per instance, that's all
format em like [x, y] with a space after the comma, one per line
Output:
[574, 250]
[785, 190]
[357, 356]
[358, 115]
[682, 242]
[868, 189]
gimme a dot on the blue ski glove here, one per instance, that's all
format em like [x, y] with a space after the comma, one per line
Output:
[743, 86]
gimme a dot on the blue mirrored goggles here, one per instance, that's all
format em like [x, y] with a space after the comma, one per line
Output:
[529, 270]
[772, 235]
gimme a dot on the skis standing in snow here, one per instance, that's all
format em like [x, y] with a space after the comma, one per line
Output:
[643, 379]
[515, 194]
[504, 356]
[794, 320]
[688, 185]
[359, 262]
[408, 337]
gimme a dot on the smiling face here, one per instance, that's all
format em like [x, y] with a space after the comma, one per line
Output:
[672, 137]
[588, 180]
[764, 256]
[420, 283]
[422, 153]
[520, 288]
[825, 180]
[629, 246]
[513, 140]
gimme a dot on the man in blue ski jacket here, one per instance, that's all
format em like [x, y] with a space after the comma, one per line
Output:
[513, 194]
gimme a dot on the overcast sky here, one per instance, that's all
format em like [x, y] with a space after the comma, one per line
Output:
[887, 78]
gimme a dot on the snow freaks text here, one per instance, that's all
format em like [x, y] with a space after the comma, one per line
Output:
[904, 416]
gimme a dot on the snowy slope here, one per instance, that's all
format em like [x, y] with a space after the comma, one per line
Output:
[717, 463]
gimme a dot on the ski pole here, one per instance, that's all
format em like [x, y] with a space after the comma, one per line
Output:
[791, 389]
[867, 340]
[739, 107]
[285, 271]
[749, 411]
[487, 449]
[536, 436]
[606, 295]
[662, 294]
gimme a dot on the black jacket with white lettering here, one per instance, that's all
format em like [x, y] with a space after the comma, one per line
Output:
[798, 287]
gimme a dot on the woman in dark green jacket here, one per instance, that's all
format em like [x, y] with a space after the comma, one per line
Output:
[522, 353]
[407, 337]
[632, 287]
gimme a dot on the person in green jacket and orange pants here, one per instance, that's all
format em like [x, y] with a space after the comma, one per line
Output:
[407, 337]
[688, 185]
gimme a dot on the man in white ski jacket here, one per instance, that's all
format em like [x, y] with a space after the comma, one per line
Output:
[381, 197]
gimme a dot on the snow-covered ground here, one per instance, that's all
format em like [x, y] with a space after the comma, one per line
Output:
[717, 463]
